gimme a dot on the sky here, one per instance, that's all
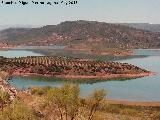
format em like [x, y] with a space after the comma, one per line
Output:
[111, 11]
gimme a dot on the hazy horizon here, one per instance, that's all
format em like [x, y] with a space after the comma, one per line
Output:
[32, 25]
[122, 11]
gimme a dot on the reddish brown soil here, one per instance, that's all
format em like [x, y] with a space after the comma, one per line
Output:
[109, 76]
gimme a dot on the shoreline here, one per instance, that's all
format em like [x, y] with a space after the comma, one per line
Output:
[8, 88]
[134, 103]
[89, 51]
[109, 76]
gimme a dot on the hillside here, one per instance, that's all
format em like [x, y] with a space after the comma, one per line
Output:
[85, 35]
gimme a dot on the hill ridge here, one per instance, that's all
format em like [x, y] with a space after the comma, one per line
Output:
[84, 34]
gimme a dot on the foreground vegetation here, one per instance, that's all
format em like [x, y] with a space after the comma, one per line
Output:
[64, 103]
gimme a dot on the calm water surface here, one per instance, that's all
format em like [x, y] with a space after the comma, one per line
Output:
[18, 53]
[141, 89]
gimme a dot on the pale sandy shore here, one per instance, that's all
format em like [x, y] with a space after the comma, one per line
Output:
[129, 103]
[109, 76]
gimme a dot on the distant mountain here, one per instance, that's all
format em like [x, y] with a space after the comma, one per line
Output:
[3, 27]
[83, 35]
[144, 26]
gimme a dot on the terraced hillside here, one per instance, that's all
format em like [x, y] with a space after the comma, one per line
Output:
[69, 68]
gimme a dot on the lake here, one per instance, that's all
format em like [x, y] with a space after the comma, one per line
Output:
[140, 89]
[18, 53]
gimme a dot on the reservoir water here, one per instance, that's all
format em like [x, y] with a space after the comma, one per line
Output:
[140, 89]
[18, 53]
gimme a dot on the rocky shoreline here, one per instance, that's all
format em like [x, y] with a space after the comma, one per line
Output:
[6, 87]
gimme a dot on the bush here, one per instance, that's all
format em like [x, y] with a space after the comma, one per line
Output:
[4, 99]
[40, 91]
[17, 111]
[127, 111]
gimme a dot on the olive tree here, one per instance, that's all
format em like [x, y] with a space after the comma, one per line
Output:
[95, 99]
[66, 99]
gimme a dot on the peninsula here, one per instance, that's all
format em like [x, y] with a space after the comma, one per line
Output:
[63, 67]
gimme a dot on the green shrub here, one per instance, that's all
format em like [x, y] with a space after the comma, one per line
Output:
[127, 111]
[17, 111]
[4, 97]
[40, 90]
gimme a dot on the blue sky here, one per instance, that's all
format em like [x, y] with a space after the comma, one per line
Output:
[142, 11]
